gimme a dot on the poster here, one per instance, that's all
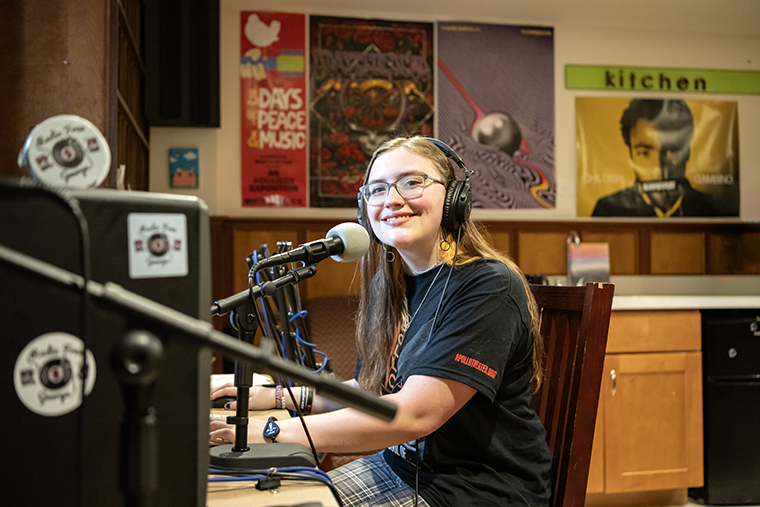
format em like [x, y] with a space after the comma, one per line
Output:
[370, 80]
[273, 109]
[496, 110]
[184, 167]
[663, 158]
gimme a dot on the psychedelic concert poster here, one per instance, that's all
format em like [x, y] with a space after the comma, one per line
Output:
[496, 110]
[657, 157]
[273, 109]
[370, 80]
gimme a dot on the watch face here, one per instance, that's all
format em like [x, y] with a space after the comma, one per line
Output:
[271, 430]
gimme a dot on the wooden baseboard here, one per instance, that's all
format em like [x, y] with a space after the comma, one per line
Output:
[670, 497]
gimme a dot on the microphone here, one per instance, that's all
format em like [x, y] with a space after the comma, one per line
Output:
[345, 242]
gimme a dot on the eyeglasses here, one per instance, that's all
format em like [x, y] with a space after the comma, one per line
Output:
[408, 187]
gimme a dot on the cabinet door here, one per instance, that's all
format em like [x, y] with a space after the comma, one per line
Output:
[652, 421]
[596, 467]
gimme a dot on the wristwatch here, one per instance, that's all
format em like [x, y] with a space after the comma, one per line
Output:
[271, 430]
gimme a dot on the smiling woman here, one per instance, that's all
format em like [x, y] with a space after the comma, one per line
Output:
[447, 330]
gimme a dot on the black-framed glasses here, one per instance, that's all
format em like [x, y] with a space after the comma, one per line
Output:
[408, 187]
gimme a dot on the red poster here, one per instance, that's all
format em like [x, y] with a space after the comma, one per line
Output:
[273, 109]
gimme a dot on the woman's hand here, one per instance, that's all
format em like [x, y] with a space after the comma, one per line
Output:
[221, 432]
[259, 398]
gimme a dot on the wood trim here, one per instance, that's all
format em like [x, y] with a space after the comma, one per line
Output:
[132, 121]
[737, 261]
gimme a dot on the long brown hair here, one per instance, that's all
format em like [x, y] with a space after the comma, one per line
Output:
[382, 304]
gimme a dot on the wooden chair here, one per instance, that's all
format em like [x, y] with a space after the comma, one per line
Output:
[574, 324]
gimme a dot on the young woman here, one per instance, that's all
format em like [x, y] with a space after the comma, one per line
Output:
[448, 331]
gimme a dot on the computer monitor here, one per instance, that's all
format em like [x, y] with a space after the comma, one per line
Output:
[152, 244]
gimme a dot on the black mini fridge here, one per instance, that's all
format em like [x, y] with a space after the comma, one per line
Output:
[731, 376]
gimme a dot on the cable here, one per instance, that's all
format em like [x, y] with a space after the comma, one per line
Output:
[303, 423]
[432, 327]
[286, 473]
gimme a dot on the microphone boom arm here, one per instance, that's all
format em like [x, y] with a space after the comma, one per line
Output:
[115, 296]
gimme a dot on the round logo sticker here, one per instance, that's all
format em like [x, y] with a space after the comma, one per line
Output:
[67, 151]
[48, 374]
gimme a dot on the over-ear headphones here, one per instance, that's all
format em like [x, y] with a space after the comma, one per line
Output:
[457, 204]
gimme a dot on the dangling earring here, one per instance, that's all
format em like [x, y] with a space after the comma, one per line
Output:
[390, 255]
[445, 245]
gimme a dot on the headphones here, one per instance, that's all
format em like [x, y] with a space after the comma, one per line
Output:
[457, 205]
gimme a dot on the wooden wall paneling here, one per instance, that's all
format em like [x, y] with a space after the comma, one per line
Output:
[750, 248]
[678, 253]
[542, 253]
[733, 252]
[245, 241]
[500, 240]
[624, 249]
[332, 278]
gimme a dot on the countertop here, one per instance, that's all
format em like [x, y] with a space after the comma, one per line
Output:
[650, 292]
[684, 302]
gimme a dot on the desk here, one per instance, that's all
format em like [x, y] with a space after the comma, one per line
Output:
[244, 493]
[291, 493]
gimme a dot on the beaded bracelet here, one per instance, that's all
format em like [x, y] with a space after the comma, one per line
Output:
[278, 401]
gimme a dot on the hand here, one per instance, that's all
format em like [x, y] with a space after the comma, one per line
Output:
[259, 398]
[221, 432]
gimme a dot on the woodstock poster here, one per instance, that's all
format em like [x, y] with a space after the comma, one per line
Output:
[273, 109]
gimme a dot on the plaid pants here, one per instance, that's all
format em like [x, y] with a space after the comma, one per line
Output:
[370, 482]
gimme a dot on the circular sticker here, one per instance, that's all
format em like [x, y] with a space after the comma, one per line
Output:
[48, 374]
[66, 151]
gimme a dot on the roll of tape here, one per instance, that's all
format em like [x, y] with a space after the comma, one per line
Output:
[66, 151]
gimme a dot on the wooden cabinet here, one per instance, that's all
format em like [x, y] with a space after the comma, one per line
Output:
[649, 427]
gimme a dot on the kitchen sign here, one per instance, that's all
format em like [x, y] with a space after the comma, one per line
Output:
[659, 79]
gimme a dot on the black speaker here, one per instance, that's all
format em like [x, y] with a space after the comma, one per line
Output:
[181, 51]
[152, 244]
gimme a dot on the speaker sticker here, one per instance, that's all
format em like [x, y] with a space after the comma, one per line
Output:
[67, 151]
[157, 245]
[48, 374]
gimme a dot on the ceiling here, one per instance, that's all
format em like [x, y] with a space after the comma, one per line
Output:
[730, 17]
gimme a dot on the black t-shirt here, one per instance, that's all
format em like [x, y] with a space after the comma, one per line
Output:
[493, 451]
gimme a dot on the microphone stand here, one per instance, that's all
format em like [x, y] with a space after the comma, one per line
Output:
[241, 454]
[145, 310]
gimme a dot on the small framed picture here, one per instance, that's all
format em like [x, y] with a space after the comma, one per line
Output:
[183, 167]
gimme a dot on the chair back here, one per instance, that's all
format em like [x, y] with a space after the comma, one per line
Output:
[574, 324]
[331, 321]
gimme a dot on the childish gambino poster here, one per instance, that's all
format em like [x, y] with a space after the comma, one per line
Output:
[657, 158]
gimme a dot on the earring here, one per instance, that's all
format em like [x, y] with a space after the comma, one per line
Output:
[445, 245]
[390, 255]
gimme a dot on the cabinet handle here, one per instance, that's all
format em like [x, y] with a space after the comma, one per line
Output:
[613, 378]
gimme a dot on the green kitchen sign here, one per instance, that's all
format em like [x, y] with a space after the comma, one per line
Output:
[657, 79]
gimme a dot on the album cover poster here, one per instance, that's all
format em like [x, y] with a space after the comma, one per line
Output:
[657, 157]
[369, 81]
[273, 104]
[496, 110]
